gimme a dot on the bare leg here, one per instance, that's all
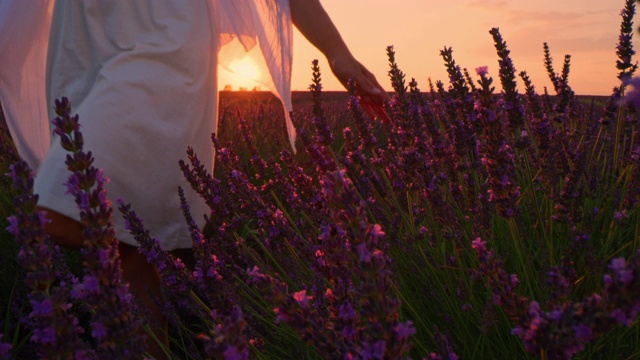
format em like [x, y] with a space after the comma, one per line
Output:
[143, 278]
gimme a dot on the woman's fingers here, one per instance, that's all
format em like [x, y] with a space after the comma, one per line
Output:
[367, 109]
[375, 110]
[382, 114]
[372, 95]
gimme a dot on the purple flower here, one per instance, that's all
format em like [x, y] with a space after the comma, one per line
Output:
[72, 184]
[172, 270]
[98, 331]
[514, 280]
[302, 298]
[232, 354]
[584, 334]
[44, 336]
[55, 329]
[363, 253]
[405, 330]
[375, 351]
[620, 216]
[113, 325]
[14, 225]
[42, 308]
[479, 245]
[4, 348]
[91, 284]
[619, 267]
[482, 70]
[227, 340]
[376, 232]
[280, 315]
[621, 317]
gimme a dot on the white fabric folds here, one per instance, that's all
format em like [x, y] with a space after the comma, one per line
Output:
[24, 36]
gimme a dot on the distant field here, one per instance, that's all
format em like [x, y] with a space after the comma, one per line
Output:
[303, 98]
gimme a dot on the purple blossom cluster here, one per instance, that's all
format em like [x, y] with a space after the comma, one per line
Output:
[4, 349]
[172, 271]
[354, 316]
[114, 324]
[446, 350]
[228, 340]
[624, 50]
[568, 326]
[565, 330]
[55, 328]
[507, 71]
[498, 156]
[501, 283]
[625, 65]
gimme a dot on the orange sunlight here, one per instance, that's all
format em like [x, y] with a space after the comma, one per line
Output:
[242, 74]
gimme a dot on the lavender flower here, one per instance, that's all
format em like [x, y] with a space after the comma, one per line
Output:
[498, 157]
[115, 325]
[502, 284]
[625, 53]
[347, 318]
[446, 351]
[55, 329]
[227, 340]
[467, 77]
[566, 328]
[172, 270]
[324, 135]
[460, 88]
[515, 111]
[548, 63]
[482, 70]
[4, 349]
[624, 50]
[396, 76]
[559, 285]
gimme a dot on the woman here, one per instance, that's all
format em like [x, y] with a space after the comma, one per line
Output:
[142, 76]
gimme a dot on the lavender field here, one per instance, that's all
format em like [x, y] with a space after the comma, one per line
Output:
[488, 219]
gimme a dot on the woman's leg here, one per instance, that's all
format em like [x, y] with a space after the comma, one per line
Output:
[143, 278]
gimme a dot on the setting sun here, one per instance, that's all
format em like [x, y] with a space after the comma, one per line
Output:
[242, 74]
[245, 68]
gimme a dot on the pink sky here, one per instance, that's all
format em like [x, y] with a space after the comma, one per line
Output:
[419, 29]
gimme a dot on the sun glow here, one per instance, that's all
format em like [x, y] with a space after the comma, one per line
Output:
[242, 74]
[245, 68]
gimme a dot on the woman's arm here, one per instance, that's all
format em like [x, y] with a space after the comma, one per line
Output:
[315, 24]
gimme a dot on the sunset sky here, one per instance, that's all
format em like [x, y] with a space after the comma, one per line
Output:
[419, 29]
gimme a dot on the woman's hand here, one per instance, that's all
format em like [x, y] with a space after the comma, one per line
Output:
[372, 96]
[314, 23]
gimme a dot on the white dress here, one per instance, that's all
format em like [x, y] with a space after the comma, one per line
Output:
[141, 75]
